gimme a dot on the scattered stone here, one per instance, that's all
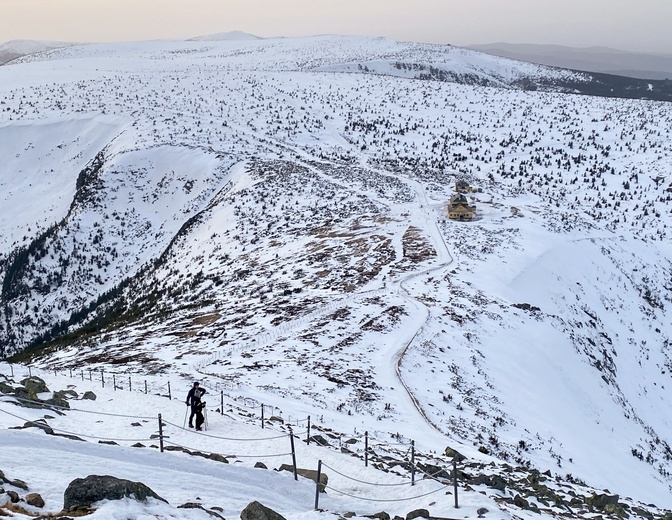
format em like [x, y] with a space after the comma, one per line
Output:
[13, 496]
[260, 465]
[136, 424]
[138, 445]
[83, 492]
[89, 395]
[257, 511]
[35, 385]
[493, 481]
[218, 457]
[194, 505]
[111, 443]
[454, 454]
[601, 501]
[417, 513]
[380, 516]
[481, 511]
[521, 502]
[319, 440]
[18, 483]
[34, 499]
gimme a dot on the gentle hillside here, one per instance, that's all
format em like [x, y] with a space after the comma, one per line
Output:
[17, 48]
[271, 216]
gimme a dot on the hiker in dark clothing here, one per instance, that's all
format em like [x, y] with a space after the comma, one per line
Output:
[194, 400]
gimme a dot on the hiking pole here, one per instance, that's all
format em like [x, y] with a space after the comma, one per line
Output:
[184, 423]
[205, 423]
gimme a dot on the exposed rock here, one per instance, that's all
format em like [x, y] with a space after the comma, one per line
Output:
[13, 496]
[601, 501]
[35, 385]
[521, 502]
[34, 499]
[89, 395]
[40, 423]
[194, 505]
[492, 481]
[381, 516]
[218, 458]
[454, 454]
[260, 465]
[18, 483]
[257, 511]
[83, 492]
[319, 440]
[434, 471]
[308, 473]
[481, 511]
[417, 513]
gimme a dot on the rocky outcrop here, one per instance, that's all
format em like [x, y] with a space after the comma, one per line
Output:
[81, 493]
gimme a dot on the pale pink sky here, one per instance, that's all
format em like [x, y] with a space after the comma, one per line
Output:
[642, 25]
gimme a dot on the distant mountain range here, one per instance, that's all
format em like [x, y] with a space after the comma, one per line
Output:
[591, 59]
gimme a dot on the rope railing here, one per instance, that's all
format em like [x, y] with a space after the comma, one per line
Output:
[387, 499]
[45, 424]
[236, 456]
[224, 438]
[65, 408]
[364, 482]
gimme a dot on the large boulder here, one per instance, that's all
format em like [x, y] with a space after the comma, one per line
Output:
[35, 385]
[83, 492]
[257, 511]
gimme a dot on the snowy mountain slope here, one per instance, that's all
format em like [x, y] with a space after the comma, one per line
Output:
[283, 233]
[221, 470]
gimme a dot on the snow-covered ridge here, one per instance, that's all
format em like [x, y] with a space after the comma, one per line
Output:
[229, 211]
